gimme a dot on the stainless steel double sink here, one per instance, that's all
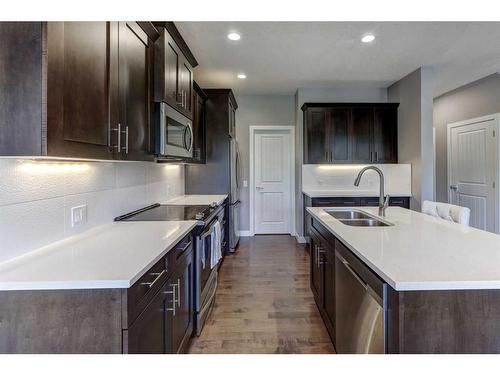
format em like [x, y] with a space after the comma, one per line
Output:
[356, 218]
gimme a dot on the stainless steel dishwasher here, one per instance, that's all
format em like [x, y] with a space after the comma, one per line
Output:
[359, 307]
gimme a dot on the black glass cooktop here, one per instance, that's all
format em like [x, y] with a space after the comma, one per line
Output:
[162, 212]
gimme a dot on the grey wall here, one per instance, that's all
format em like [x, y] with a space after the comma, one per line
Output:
[322, 95]
[415, 135]
[257, 110]
[479, 98]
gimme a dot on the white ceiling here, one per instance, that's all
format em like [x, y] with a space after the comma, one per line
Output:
[279, 57]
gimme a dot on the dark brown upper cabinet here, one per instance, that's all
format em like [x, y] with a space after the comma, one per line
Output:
[350, 133]
[135, 54]
[174, 65]
[199, 129]
[92, 83]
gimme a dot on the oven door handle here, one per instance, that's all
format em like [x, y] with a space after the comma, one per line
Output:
[208, 231]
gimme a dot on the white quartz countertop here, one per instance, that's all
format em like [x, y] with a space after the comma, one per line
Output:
[114, 255]
[421, 252]
[349, 193]
[197, 199]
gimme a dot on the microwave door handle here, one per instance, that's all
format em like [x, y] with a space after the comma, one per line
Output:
[186, 130]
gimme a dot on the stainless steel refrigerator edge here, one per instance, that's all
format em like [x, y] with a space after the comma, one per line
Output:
[221, 172]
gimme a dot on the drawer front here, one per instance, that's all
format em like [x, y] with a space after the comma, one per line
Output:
[400, 202]
[335, 202]
[139, 294]
[369, 201]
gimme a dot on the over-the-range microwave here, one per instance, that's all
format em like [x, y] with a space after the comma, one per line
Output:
[174, 133]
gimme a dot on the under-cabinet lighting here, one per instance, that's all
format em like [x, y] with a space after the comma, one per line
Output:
[351, 167]
[46, 167]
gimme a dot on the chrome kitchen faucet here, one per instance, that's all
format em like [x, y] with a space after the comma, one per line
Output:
[382, 205]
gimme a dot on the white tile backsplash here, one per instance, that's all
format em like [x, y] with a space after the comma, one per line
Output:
[36, 197]
[397, 178]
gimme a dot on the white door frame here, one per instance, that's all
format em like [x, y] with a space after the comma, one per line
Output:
[496, 118]
[253, 130]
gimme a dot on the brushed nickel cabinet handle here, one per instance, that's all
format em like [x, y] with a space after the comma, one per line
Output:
[118, 131]
[178, 293]
[126, 139]
[174, 301]
[158, 276]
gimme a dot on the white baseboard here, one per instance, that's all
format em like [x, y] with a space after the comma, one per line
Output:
[244, 233]
[302, 239]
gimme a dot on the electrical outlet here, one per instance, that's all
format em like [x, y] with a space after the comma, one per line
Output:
[78, 215]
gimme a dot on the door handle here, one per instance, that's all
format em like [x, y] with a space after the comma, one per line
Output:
[454, 187]
[259, 188]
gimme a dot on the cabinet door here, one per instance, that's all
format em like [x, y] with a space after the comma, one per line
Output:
[182, 319]
[198, 128]
[385, 135]
[232, 120]
[81, 88]
[338, 136]
[148, 334]
[316, 276]
[167, 58]
[316, 145]
[134, 51]
[329, 287]
[362, 135]
[185, 87]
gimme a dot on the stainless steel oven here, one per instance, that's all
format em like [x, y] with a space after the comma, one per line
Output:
[206, 272]
[174, 133]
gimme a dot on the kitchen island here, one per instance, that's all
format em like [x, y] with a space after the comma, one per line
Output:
[441, 280]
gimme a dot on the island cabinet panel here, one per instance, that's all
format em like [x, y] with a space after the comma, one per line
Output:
[447, 321]
[350, 133]
[61, 321]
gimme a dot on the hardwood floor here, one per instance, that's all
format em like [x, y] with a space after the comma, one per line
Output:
[264, 303]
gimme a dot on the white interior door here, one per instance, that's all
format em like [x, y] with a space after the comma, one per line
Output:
[473, 155]
[273, 201]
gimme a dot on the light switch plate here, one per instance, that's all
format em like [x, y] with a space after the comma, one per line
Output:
[245, 183]
[78, 215]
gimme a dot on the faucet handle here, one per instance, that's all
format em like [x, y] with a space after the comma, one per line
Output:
[387, 198]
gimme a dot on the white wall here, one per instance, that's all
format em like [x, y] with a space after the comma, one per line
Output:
[479, 98]
[415, 131]
[36, 197]
[257, 110]
[323, 95]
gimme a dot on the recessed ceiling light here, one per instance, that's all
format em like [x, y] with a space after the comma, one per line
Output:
[233, 36]
[242, 76]
[368, 38]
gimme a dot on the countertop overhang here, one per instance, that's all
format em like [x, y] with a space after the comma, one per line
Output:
[421, 252]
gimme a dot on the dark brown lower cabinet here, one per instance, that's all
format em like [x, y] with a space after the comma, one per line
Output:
[323, 279]
[182, 316]
[153, 316]
[149, 333]
[166, 324]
